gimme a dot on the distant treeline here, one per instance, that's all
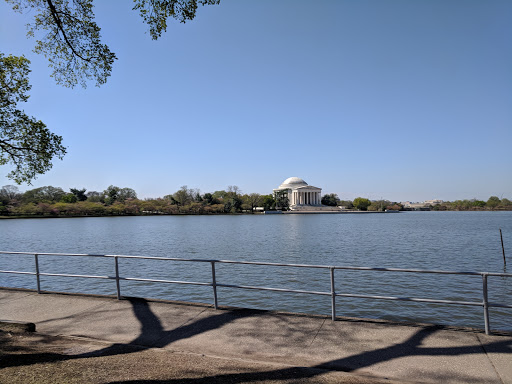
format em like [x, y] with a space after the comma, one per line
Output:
[494, 203]
[115, 201]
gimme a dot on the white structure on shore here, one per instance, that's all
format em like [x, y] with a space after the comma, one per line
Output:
[425, 204]
[300, 195]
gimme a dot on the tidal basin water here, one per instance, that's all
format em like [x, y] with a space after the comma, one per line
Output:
[457, 241]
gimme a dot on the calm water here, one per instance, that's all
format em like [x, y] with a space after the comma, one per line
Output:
[462, 241]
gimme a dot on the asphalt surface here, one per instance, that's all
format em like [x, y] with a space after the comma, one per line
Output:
[366, 348]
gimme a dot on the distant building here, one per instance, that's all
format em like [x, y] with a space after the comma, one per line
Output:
[422, 205]
[299, 193]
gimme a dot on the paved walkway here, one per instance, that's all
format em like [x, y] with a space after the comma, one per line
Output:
[408, 353]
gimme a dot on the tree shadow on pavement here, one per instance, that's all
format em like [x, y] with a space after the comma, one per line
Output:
[152, 334]
[410, 347]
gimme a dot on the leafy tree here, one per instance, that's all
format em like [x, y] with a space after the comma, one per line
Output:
[493, 202]
[111, 194]
[373, 207]
[346, 203]
[379, 205]
[46, 194]
[25, 143]
[71, 40]
[125, 194]
[171, 200]
[95, 197]
[478, 203]
[209, 199]
[361, 203]
[232, 200]
[219, 195]
[79, 193]
[67, 35]
[253, 200]
[268, 202]
[330, 199]
[69, 198]
[506, 203]
[92, 208]
[233, 204]
[184, 196]
[281, 200]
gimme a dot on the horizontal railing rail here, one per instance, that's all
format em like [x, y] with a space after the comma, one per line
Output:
[485, 304]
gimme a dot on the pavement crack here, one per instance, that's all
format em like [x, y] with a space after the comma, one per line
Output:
[490, 360]
[317, 332]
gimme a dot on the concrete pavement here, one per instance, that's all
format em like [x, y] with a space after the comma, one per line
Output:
[378, 349]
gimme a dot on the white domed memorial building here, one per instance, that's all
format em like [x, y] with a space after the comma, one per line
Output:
[302, 196]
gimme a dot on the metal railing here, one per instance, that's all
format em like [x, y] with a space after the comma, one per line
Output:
[485, 304]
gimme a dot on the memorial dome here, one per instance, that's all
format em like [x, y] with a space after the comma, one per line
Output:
[293, 182]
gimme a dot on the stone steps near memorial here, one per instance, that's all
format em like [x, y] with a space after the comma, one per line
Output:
[315, 208]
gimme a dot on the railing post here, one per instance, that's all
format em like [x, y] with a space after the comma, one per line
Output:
[333, 296]
[37, 274]
[486, 304]
[118, 287]
[214, 286]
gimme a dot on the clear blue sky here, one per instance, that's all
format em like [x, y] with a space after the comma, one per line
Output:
[394, 99]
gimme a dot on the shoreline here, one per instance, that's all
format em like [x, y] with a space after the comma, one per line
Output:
[234, 214]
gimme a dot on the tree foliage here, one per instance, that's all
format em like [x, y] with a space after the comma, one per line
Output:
[361, 203]
[25, 143]
[155, 13]
[47, 194]
[54, 202]
[9, 193]
[330, 199]
[67, 35]
[493, 202]
[69, 38]
[79, 193]
[281, 200]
